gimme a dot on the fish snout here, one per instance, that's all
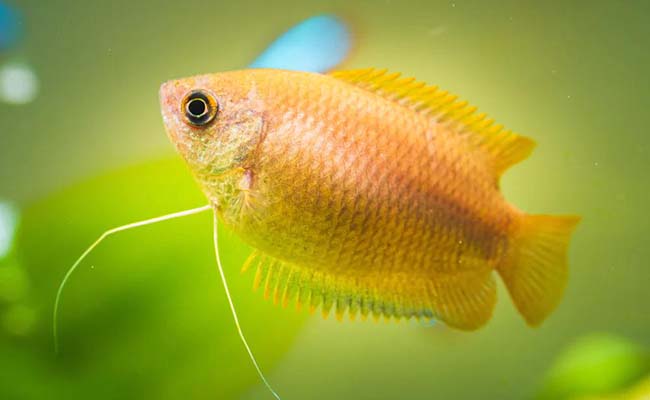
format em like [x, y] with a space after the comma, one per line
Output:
[170, 95]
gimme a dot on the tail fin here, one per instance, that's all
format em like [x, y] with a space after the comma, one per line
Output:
[535, 268]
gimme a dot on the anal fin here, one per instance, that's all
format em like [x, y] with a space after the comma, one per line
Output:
[463, 300]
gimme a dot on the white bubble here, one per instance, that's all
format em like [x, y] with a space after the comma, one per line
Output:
[8, 222]
[18, 84]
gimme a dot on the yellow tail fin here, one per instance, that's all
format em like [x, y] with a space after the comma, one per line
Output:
[535, 269]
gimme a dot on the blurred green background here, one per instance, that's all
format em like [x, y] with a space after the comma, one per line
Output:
[146, 317]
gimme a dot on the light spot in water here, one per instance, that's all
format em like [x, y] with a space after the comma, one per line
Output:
[8, 223]
[437, 31]
[18, 84]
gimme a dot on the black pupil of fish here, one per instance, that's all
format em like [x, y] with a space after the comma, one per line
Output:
[197, 108]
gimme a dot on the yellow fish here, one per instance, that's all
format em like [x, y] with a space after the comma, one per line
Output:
[368, 193]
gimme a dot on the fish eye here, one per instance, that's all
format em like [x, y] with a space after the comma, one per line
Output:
[199, 108]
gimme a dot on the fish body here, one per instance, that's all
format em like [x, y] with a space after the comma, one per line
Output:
[368, 193]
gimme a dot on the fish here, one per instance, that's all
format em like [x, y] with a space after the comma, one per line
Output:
[368, 194]
[317, 44]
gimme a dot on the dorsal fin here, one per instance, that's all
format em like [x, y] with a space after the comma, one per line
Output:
[504, 147]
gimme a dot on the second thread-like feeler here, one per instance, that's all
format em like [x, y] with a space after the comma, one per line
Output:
[234, 313]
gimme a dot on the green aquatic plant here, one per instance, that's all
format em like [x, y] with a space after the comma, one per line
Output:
[596, 365]
[145, 316]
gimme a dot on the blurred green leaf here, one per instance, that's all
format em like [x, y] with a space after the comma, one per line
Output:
[145, 315]
[639, 391]
[596, 365]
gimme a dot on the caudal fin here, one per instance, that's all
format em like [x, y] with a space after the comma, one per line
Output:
[535, 268]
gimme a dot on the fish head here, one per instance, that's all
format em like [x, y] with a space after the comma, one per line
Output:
[215, 122]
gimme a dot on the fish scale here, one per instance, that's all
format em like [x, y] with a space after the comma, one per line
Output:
[370, 194]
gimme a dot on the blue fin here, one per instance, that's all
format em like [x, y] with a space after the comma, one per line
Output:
[317, 44]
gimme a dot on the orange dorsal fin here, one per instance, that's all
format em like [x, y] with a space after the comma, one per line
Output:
[504, 147]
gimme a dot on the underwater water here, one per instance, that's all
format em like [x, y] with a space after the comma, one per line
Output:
[83, 149]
